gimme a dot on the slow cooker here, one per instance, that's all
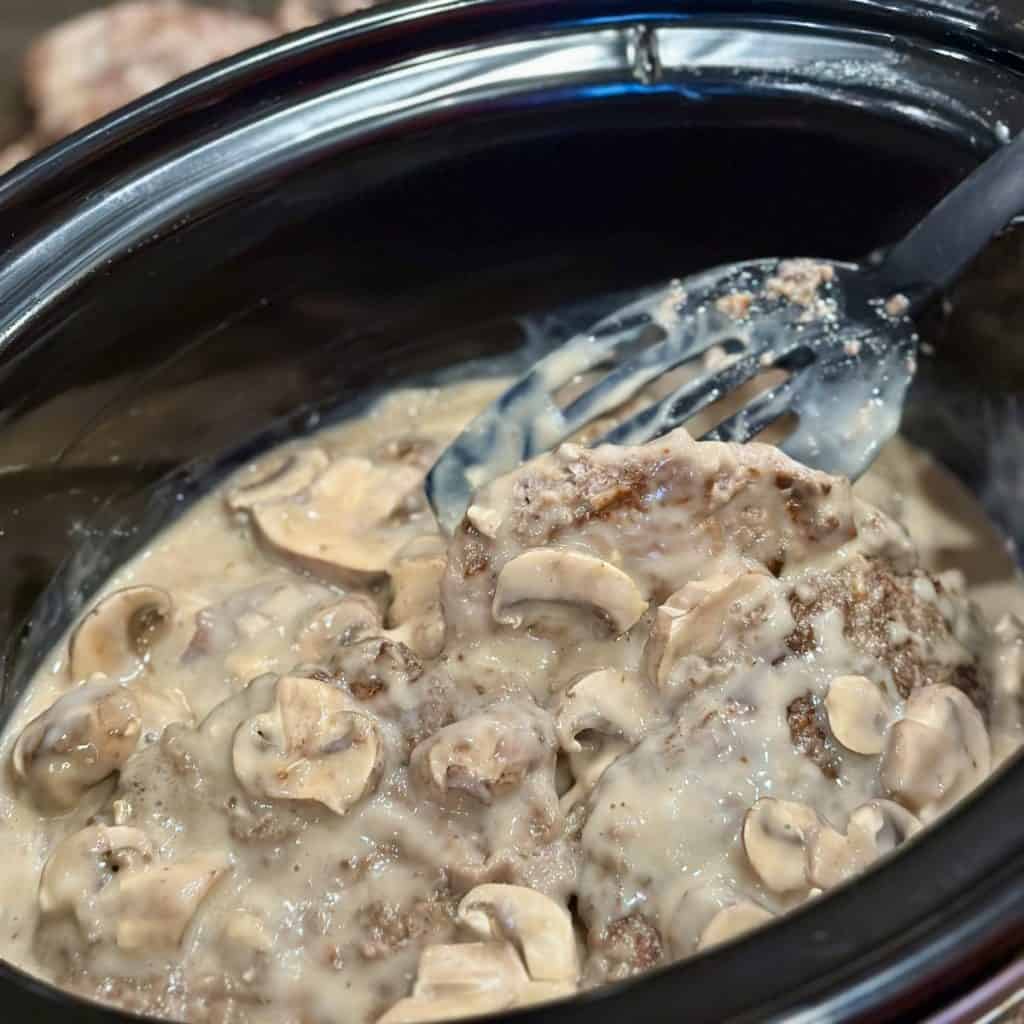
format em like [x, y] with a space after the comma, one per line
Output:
[226, 261]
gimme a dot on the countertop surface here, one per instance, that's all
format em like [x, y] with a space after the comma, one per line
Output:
[21, 21]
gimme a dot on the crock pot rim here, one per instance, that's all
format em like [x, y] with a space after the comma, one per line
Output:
[453, 22]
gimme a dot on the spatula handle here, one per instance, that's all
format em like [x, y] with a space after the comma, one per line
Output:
[937, 250]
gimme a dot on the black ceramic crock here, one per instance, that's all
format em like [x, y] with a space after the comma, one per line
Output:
[235, 256]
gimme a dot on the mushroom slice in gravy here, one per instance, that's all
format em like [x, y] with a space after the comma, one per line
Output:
[312, 745]
[116, 635]
[84, 737]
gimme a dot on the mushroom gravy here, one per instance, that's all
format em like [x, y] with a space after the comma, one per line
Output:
[304, 757]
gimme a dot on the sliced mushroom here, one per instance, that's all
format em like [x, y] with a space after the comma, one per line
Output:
[585, 770]
[338, 528]
[939, 751]
[858, 714]
[617, 704]
[486, 754]
[539, 928]
[462, 980]
[832, 857]
[155, 906]
[415, 615]
[352, 618]
[695, 620]
[378, 666]
[733, 921]
[920, 767]
[469, 965]
[81, 739]
[775, 837]
[569, 577]
[888, 823]
[416, 578]
[608, 701]
[689, 907]
[313, 745]
[115, 637]
[469, 979]
[79, 878]
[952, 711]
[874, 829]
[280, 475]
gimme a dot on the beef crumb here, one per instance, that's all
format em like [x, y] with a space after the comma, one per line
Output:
[873, 600]
[389, 926]
[810, 736]
[630, 945]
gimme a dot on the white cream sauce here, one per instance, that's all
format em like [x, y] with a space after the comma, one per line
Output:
[283, 849]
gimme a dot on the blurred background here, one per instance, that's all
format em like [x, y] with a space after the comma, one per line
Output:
[22, 22]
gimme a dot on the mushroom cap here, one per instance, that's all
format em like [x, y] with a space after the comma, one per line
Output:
[733, 921]
[832, 857]
[484, 754]
[609, 701]
[104, 878]
[81, 875]
[539, 928]
[313, 745]
[689, 907]
[858, 714]
[873, 830]
[889, 824]
[279, 475]
[566, 577]
[920, 767]
[83, 737]
[586, 768]
[416, 572]
[353, 617]
[775, 836]
[469, 965]
[338, 528]
[952, 711]
[415, 614]
[378, 665]
[937, 753]
[156, 905]
[115, 636]
[697, 619]
[468, 979]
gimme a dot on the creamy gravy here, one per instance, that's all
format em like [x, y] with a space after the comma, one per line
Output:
[333, 767]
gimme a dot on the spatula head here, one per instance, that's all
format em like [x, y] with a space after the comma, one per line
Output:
[849, 357]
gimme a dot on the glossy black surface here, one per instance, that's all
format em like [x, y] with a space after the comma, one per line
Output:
[298, 228]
